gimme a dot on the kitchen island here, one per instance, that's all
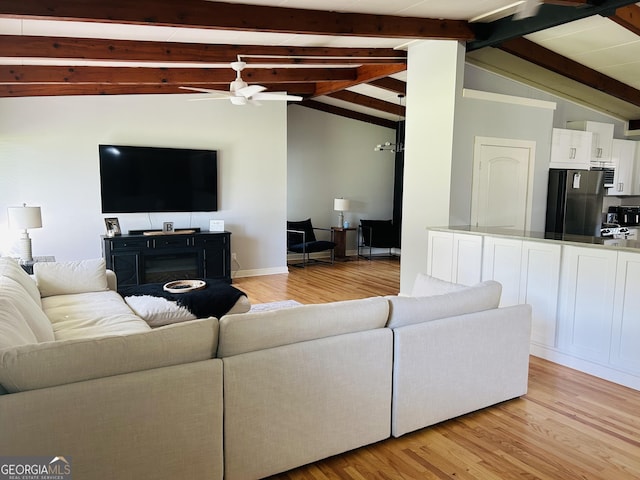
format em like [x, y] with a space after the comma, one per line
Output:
[584, 291]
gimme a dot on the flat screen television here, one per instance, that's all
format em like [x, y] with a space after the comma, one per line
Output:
[154, 179]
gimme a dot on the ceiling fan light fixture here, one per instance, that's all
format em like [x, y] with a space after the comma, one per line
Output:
[238, 100]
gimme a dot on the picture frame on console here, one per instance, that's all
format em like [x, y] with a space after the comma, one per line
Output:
[113, 226]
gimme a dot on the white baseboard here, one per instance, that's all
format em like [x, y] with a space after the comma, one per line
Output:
[597, 370]
[260, 271]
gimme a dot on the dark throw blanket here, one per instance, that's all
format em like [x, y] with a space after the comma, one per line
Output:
[215, 300]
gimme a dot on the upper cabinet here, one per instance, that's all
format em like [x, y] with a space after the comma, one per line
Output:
[570, 149]
[601, 144]
[623, 156]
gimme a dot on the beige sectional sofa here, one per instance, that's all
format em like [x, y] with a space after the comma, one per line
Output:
[252, 394]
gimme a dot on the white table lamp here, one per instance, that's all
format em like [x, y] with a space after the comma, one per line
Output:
[23, 218]
[340, 205]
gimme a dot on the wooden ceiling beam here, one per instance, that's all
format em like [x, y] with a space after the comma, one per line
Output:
[343, 112]
[550, 60]
[628, 17]
[567, 3]
[390, 84]
[145, 51]
[369, 102]
[365, 74]
[236, 16]
[20, 74]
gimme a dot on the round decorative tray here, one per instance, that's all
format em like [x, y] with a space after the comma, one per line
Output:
[184, 286]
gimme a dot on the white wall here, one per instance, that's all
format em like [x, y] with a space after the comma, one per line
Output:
[331, 157]
[49, 157]
[486, 118]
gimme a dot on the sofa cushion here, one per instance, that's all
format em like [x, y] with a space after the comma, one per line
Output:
[14, 330]
[29, 311]
[248, 332]
[426, 286]
[9, 268]
[410, 310]
[64, 278]
[91, 314]
[42, 365]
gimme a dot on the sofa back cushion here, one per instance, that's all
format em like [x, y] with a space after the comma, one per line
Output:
[27, 310]
[64, 278]
[9, 268]
[426, 286]
[30, 367]
[14, 330]
[411, 310]
[249, 332]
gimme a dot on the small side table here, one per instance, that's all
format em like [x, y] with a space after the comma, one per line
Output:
[27, 265]
[340, 238]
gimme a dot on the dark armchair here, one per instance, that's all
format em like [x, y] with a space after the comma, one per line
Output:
[377, 234]
[301, 238]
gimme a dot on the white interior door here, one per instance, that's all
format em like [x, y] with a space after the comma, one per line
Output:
[502, 183]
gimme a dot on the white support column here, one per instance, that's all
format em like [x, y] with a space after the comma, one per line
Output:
[434, 86]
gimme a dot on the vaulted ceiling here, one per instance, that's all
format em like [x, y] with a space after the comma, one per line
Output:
[343, 56]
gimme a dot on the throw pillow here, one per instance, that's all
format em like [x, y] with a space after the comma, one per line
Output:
[65, 278]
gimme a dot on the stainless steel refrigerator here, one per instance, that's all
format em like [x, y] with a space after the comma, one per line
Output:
[574, 202]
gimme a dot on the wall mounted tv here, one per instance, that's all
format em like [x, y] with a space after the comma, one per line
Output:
[153, 179]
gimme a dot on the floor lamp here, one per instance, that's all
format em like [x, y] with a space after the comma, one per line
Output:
[24, 218]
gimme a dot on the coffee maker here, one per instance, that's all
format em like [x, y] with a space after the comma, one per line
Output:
[625, 216]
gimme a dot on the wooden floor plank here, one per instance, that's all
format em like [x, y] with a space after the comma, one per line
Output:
[569, 426]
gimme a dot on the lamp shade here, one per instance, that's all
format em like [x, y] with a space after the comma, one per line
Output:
[340, 204]
[24, 217]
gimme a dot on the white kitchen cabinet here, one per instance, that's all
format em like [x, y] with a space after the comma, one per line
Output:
[454, 257]
[623, 155]
[440, 255]
[529, 272]
[467, 259]
[587, 287]
[539, 282]
[625, 333]
[501, 259]
[601, 143]
[570, 149]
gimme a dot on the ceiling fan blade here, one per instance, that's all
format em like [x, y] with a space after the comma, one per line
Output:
[276, 96]
[527, 9]
[250, 91]
[210, 97]
[206, 90]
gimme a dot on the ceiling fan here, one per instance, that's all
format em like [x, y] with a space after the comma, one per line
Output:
[240, 93]
[520, 10]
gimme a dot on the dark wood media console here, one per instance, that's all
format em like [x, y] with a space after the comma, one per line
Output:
[158, 258]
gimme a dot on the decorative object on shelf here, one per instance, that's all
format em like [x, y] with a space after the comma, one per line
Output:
[183, 286]
[341, 205]
[23, 218]
[113, 226]
[167, 227]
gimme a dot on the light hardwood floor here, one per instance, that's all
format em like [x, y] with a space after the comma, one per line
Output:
[568, 426]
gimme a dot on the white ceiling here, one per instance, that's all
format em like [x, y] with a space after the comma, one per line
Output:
[596, 42]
